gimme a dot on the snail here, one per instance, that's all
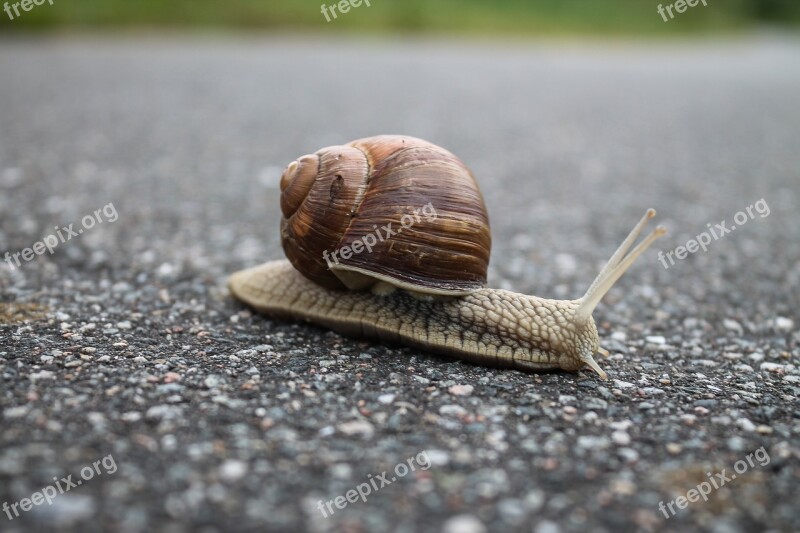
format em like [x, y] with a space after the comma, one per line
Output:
[388, 238]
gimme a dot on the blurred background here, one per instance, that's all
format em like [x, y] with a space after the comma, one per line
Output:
[453, 17]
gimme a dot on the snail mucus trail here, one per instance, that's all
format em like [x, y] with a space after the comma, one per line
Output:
[425, 287]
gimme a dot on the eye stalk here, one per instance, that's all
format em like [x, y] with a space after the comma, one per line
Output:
[617, 266]
[619, 263]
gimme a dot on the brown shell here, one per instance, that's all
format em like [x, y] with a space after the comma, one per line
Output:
[417, 202]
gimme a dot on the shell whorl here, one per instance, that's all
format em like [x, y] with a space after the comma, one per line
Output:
[416, 204]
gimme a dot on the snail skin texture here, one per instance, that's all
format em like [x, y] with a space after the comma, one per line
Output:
[424, 286]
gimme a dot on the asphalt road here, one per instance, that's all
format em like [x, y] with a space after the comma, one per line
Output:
[125, 364]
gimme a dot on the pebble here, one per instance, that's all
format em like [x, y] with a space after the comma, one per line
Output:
[546, 526]
[592, 442]
[460, 390]
[673, 448]
[463, 524]
[746, 424]
[386, 399]
[629, 455]
[438, 457]
[736, 444]
[452, 410]
[232, 470]
[704, 362]
[16, 412]
[772, 367]
[69, 508]
[534, 500]
[733, 325]
[511, 510]
[356, 427]
[621, 438]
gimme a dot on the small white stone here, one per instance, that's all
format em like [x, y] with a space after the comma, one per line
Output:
[622, 425]
[165, 270]
[704, 362]
[628, 454]
[452, 410]
[655, 339]
[437, 457]
[356, 427]
[232, 470]
[131, 416]
[591, 442]
[673, 448]
[621, 438]
[460, 390]
[464, 523]
[546, 526]
[772, 367]
[16, 412]
[386, 399]
[746, 424]
[733, 325]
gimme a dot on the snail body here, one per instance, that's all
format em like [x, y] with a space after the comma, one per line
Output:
[343, 195]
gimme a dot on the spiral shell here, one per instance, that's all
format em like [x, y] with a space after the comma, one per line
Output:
[389, 208]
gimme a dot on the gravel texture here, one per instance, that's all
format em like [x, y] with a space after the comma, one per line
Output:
[124, 347]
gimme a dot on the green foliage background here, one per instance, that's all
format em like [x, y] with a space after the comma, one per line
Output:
[489, 17]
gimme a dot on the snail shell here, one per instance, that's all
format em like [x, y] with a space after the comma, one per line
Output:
[419, 203]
